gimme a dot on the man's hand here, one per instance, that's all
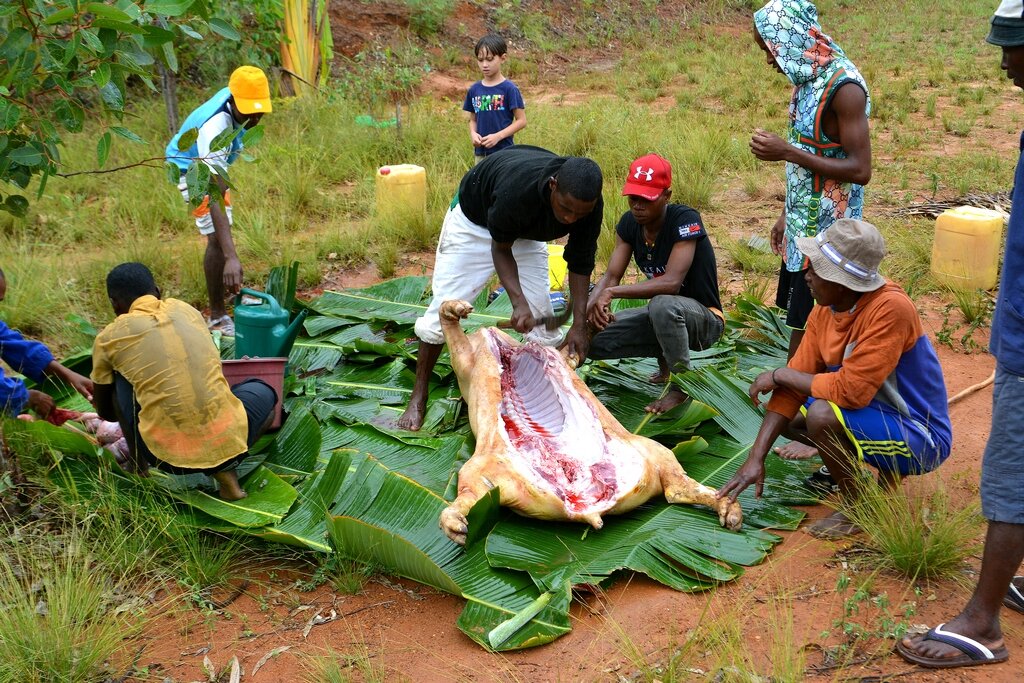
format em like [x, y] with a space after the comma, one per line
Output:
[232, 275]
[762, 384]
[41, 403]
[769, 146]
[778, 236]
[475, 138]
[752, 472]
[522, 319]
[578, 342]
[599, 312]
[82, 384]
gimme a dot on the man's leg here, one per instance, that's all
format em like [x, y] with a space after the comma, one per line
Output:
[632, 335]
[826, 430]
[259, 400]
[127, 409]
[681, 324]
[213, 268]
[462, 267]
[1002, 480]
[426, 359]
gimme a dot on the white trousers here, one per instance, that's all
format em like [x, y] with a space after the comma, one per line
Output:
[463, 265]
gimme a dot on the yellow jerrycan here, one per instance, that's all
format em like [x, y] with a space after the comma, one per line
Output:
[965, 253]
[402, 193]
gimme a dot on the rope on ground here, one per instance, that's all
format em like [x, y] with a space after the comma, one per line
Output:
[973, 388]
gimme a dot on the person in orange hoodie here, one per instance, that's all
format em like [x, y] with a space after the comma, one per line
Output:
[865, 384]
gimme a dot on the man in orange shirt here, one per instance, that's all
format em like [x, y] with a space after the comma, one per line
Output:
[865, 376]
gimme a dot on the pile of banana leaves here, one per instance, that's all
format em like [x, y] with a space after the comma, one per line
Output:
[340, 477]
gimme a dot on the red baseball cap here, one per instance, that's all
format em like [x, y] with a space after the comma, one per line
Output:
[648, 177]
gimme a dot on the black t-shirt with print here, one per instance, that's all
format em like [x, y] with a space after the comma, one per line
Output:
[508, 193]
[681, 224]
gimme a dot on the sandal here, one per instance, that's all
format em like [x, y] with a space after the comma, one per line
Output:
[1015, 595]
[224, 324]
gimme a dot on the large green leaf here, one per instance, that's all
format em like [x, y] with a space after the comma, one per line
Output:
[268, 501]
[297, 445]
[388, 520]
[677, 545]
[306, 524]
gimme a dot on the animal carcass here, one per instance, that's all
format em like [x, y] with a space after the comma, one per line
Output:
[543, 437]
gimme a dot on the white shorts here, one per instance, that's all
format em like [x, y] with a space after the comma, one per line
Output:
[464, 264]
[202, 212]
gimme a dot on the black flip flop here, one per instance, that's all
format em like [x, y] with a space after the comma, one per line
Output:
[1015, 595]
[973, 652]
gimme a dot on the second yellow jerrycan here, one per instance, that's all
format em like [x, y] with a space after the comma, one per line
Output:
[402, 192]
[965, 253]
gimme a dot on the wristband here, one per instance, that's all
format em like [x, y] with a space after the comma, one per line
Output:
[774, 381]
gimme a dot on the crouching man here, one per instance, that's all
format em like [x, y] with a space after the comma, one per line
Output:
[870, 377]
[156, 372]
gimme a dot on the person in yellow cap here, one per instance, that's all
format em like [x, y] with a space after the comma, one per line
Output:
[240, 106]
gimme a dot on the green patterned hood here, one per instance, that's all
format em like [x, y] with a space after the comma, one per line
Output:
[791, 31]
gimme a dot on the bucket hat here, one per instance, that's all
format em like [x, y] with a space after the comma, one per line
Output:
[848, 253]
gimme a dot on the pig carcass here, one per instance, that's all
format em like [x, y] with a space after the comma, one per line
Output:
[549, 444]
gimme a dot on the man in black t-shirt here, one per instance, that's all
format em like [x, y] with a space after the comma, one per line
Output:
[671, 247]
[507, 207]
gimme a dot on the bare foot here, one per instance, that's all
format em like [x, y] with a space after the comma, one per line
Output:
[835, 526]
[794, 450]
[228, 488]
[662, 375]
[673, 398]
[412, 418]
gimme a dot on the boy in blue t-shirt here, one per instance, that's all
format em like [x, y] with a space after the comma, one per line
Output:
[495, 105]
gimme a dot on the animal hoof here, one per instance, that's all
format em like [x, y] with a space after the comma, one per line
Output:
[454, 525]
[455, 309]
[730, 515]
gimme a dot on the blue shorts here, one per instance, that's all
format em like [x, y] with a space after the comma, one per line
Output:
[889, 441]
[1002, 468]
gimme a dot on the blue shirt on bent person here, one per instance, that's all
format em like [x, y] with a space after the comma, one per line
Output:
[493, 106]
[25, 356]
[1007, 341]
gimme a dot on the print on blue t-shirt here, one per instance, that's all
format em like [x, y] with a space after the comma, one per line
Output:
[493, 106]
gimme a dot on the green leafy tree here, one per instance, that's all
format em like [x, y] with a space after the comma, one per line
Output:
[62, 60]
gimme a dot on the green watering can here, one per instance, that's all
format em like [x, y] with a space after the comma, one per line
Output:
[262, 330]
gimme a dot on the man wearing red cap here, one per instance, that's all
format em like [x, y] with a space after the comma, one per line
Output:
[671, 247]
[239, 106]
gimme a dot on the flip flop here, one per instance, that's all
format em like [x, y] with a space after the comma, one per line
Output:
[831, 529]
[1015, 596]
[974, 653]
[224, 324]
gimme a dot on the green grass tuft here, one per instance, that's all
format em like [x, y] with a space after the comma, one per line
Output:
[919, 534]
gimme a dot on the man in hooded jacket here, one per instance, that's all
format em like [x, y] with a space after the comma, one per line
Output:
[827, 153]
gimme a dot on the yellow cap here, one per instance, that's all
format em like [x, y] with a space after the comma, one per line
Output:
[249, 87]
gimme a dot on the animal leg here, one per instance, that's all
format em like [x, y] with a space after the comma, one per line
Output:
[451, 313]
[453, 520]
[680, 488]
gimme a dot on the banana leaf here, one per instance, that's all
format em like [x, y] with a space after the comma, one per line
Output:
[736, 413]
[387, 520]
[677, 545]
[375, 304]
[309, 356]
[297, 446]
[281, 284]
[306, 524]
[268, 501]
[433, 463]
